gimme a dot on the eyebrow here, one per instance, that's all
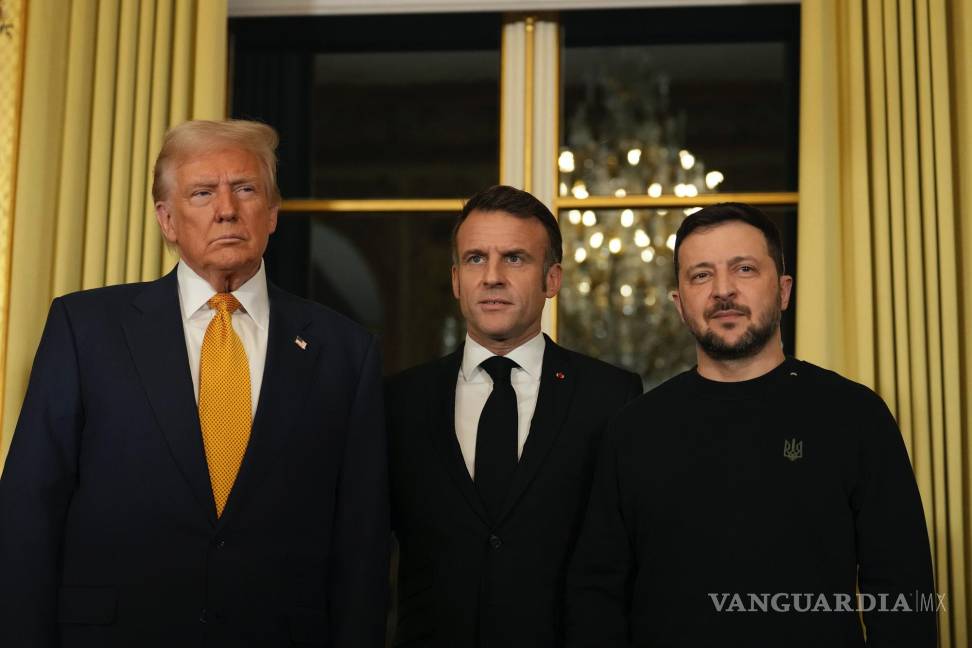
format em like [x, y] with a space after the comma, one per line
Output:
[214, 182]
[517, 251]
[703, 264]
[739, 259]
[733, 261]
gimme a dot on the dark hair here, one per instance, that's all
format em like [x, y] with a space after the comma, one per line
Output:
[732, 211]
[516, 203]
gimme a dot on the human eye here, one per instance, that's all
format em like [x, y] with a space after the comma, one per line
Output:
[475, 258]
[200, 196]
[246, 189]
[699, 275]
[747, 269]
[515, 259]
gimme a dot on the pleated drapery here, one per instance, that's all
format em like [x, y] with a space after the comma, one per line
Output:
[886, 232]
[530, 78]
[102, 81]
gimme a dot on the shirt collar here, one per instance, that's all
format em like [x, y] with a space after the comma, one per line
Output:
[194, 294]
[529, 356]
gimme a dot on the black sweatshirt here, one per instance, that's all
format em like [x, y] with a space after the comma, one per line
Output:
[714, 501]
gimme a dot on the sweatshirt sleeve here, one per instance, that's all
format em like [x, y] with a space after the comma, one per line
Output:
[600, 575]
[893, 555]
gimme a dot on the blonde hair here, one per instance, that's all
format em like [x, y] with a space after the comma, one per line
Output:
[193, 137]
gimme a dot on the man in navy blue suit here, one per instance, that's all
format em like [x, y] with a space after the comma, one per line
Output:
[200, 460]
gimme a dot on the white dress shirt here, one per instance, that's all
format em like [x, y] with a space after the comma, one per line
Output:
[251, 322]
[474, 386]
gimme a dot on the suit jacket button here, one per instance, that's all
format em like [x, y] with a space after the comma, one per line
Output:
[495, 541]
[203, 616]
[220, 544]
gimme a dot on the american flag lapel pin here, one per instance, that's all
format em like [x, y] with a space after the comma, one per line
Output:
[301, 342]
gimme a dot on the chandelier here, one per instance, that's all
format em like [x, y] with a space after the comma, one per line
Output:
[623, 139]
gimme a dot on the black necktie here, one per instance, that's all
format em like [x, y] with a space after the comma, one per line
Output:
[496, 437]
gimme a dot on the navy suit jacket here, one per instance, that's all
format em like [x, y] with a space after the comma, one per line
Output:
[108, 528]
[464, 580]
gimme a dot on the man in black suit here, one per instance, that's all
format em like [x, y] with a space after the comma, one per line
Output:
[492, 447]
[199, 460]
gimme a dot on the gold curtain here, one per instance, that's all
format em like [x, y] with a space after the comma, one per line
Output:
[885, 255]
[102, 81]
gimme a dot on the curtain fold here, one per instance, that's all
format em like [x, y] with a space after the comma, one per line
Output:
[103, 80]
[12, 26]
[884, 180]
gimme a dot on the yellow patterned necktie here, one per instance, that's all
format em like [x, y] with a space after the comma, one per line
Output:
[225, 412]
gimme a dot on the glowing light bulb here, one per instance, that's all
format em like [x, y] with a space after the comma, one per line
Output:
[627, 218]
[579, 190]
[641, 239]
[687, 159]
[566, 162]
[634, 156]
[625, 290]
[580, 254]
[713, 179]
[620, 193]
[574, 216]
[655, 189]
[589, 219]
[647, 255]
[584, 287]
[597, 238]
[614, 245]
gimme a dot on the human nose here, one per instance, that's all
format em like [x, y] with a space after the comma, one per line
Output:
[723, 286]
[493, 275]
[225, 204]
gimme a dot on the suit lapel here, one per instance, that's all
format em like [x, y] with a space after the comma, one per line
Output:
[443, 431]
[553, 403]
[286, 378]
[155, 336]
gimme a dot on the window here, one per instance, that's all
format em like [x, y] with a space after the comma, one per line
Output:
[399, 109]
[387, 122]
[663, 111]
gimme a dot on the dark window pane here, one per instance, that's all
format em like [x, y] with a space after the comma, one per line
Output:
[387, 271]
[656, 100]
[375, 106]
[409, 124]
[615, 302]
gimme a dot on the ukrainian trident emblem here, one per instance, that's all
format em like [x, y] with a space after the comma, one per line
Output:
[793, 449]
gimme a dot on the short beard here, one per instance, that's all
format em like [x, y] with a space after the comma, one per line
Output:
[753, 341]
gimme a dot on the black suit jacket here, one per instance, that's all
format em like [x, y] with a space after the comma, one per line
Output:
[108, 529]
[464, 581]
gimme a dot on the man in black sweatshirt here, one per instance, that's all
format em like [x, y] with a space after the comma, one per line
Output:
[755, 500]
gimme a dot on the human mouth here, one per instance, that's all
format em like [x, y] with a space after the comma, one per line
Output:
[494, 304]
[725, 314]
[229, 238]
[727, 311]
